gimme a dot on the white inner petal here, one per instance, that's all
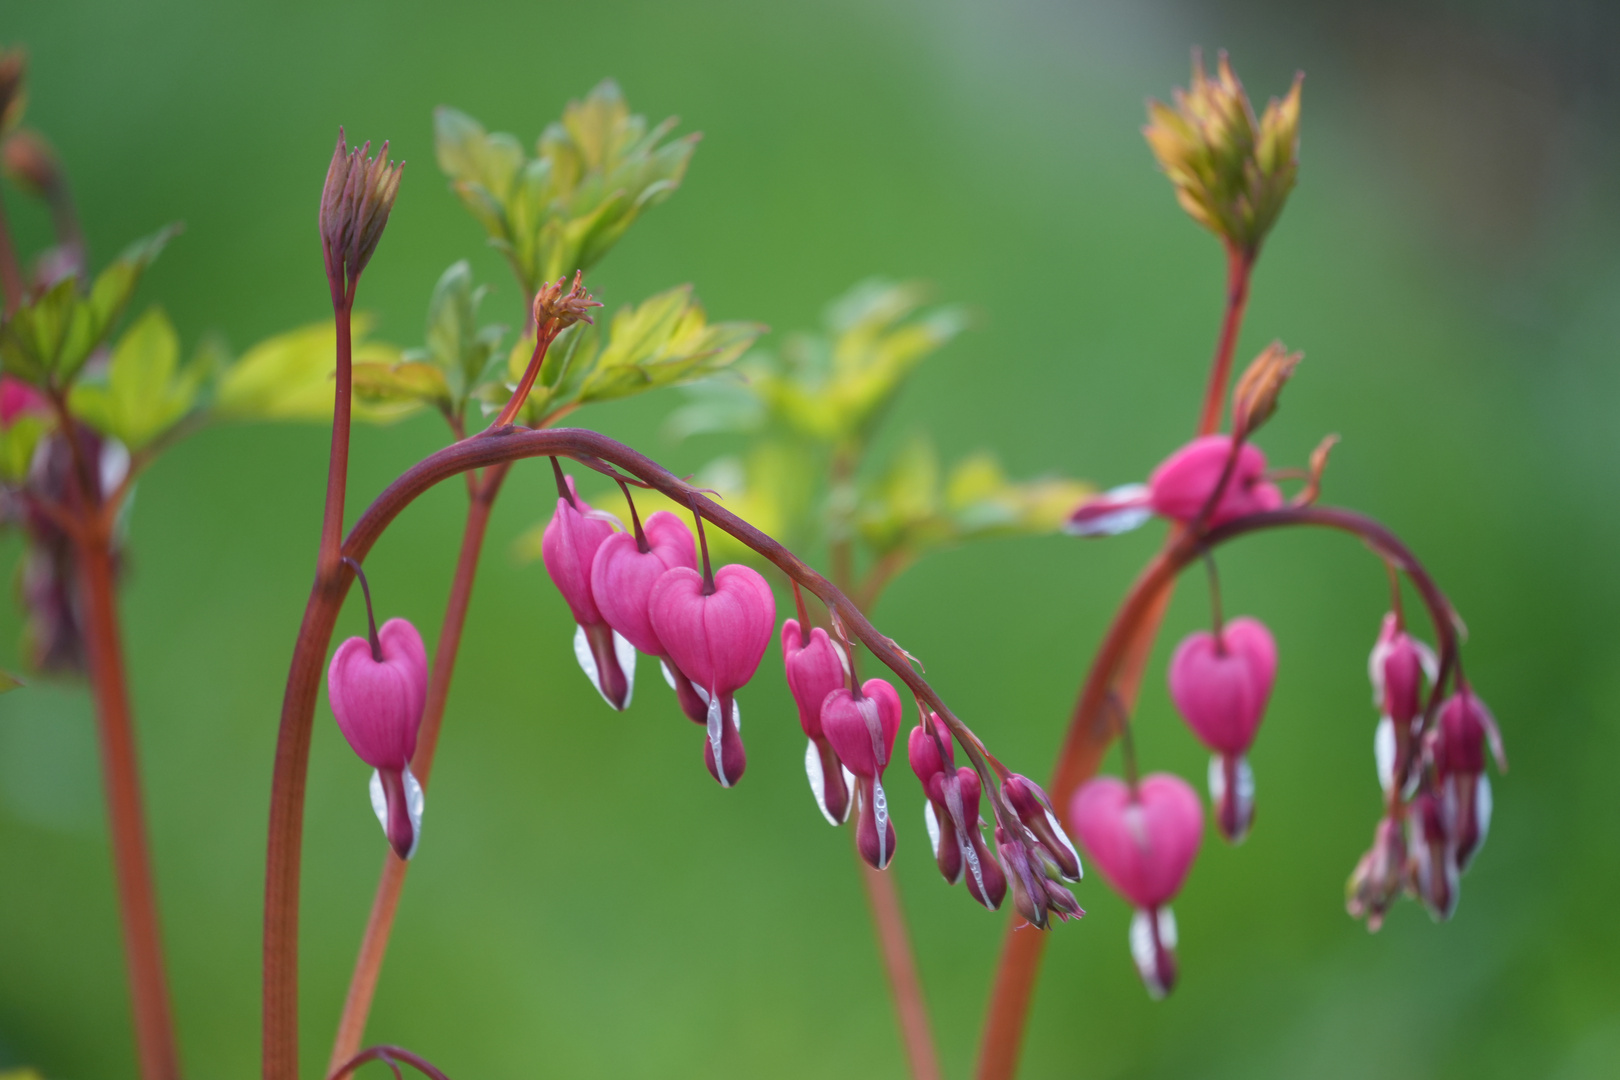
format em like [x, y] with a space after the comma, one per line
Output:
[1482, 810]
[1132, 513]
[932, 822]
[1384, 753]
[669, 676]
[415, 802]
[626, 653]
[379, 800]
[622, 650]
[880, 814]
[1143, 952]
[818, 780]
[1063, 837]
[714, 740]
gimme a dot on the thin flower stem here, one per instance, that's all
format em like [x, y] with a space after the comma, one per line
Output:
[374, 945]
[284, 854]
[1239, 265]
[137, 902]
[526, 384]
[390, 1056]
[11, 279]
[337, 469]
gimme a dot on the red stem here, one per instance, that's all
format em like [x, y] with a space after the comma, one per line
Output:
[303, 683]
[337, 470]
[11, 279]
[1238, 266]
[900, 965]
[526, 384]
[137, 902]
[374, 945]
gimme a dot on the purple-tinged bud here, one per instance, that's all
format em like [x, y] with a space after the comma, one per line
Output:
[1379, 876]
[816, 666]
[862, 731]
[923, 747]
[1398, 666]
[1035, 896]
[1034, 809]
[1459, 762]
[569, 546]
[716, 633]
[377, 696]
[1221, 686]
[355, 203]
[1434, 861]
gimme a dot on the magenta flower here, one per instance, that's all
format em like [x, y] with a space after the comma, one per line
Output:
[1379, 876]
[1180, 489]
[18, 398]
[816, 666]
[862, 725]
[951, 813]
[1398, 666]
[1434, 872]
[1034, 809]
[1221, 683]
[378, 688]
[623, 573]
[1144, 842]
[568, 546]
[716, 631]
[1035, 895]
[1459, 764]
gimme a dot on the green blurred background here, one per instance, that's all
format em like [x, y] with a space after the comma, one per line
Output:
[588, 902]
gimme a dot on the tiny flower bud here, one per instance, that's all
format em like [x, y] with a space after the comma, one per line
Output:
[1034, 895]
[716, 633]
[1220, 686]
[1144, 842]
[1378, 877]
[1459, 763]
[13, 92]
[1254, 399]
[1033, 808]
[378, 690]
[29, 160]
[1397, 667]
[355, 203]
[559, 305]
[816, 666]
[862, 729]
[1434, 859]
[1181, 486]
[569, 546]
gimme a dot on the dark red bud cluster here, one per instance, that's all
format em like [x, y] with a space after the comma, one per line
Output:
[952, 814]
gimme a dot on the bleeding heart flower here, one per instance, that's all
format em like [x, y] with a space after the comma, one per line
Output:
[1379, 876]
[623, 573]
[1181, 487]
[568, 546]
[951, 813]
[1144, 842]
[862, 728]
[1397, 667]
[1459, 763]
[816, 666]
[716, 631]
[1221, 686]
[378, 690]
[1033, 808]
[1434, 872]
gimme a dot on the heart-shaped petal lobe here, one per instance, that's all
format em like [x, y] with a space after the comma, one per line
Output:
[1144, 845]
[1221, 687]
[379, 705]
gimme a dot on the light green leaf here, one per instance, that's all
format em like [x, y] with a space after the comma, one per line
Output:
[664, 341]
[17, 443]
[290, 376]
[144, 392]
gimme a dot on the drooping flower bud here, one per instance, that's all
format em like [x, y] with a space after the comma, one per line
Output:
[1035, 896]
[1459, 763]
[1378, 877]
[1033, 808]
[1220, 686]
[816, 666]
[1397, 667]
[355, 203]
[1181, 487]
[568, 546]
[378, 689]
[1434, 872]
[1144, 842]
[862, 728]
[623, 573]
[716, 632]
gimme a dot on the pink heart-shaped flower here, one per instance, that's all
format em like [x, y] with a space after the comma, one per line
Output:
[1221, 688]
[379, 705]
[623, 576]
[1144, 845]
[863, 729]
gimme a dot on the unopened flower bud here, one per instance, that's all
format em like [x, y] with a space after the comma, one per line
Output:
[378, 690]
[355, 203]
[1378, 877]
[568, 547]
[1144, 842]
[716, 631]
[1254, 399]
[1221, 686]
[1035, 896]
[816, 666]
[1397, 667]
[1033, 808]
[1459, 763]
[862, 728]
[559, 305]
[1433, 857]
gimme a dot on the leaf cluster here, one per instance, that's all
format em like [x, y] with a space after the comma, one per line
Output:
[593, 174]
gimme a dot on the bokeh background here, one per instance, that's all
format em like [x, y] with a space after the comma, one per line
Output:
[588, 902]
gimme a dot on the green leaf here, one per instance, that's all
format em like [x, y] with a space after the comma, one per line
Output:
[664, 341]
[144, 392]
[290, 376]
[595, 172]
[455, 344]
[17, 443]
[48, 341]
